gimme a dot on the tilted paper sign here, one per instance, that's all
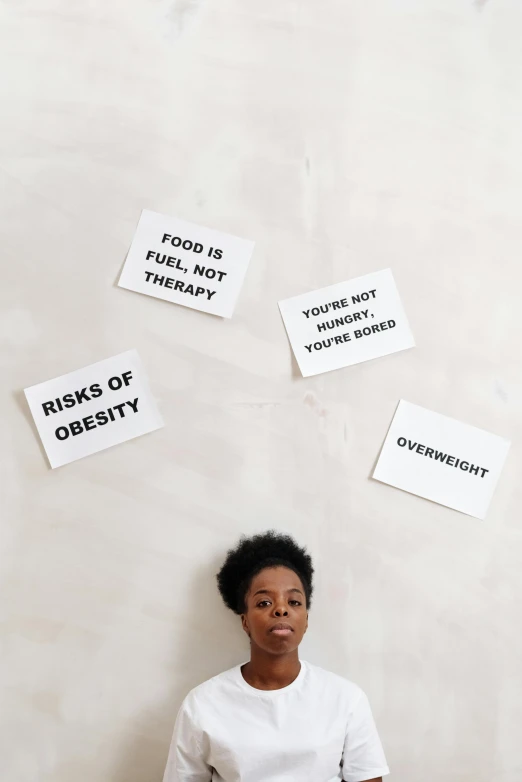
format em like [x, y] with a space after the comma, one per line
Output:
[93, 408]
[347, 323]
[186, 264]
[441, 459]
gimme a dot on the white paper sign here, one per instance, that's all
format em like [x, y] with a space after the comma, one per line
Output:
[441, 459]
[186, 264]
[93, 408]
[346, 323]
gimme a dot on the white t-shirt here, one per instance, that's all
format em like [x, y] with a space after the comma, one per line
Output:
[318, 729]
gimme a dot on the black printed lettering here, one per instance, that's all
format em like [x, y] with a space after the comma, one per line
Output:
[81, 396]
[68, 400]
[115, 383]
[134, 405]
[444, 458]
[88, 423]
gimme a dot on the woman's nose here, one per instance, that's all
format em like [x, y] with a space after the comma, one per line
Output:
[281, 611]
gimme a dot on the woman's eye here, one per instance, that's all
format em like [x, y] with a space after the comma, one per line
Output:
[295, 602]
[263, 603]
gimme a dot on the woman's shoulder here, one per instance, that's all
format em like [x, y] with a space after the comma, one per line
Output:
[211, 689]
[328, 680]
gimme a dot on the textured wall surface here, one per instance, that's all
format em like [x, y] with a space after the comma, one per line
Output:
[344, 136]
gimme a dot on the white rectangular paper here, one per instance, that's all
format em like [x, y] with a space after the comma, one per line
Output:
[441, 459]
[93, 408]
[186, 264]
[346, 323]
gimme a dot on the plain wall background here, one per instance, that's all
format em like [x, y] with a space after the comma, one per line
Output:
[343, 136]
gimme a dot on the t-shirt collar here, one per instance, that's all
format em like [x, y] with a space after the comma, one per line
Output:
[245, 686]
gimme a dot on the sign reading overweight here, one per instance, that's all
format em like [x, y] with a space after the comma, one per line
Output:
[93, 408]
[346, 323]
[186, 264]
[441, 459]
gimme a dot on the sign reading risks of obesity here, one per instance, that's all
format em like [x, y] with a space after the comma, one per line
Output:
[347, 323]
[93, 408]
[441, 459]
[186, 264]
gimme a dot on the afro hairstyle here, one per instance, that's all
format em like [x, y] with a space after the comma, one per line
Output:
[251, 555]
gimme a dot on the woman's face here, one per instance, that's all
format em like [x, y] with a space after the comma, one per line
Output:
[276, 616]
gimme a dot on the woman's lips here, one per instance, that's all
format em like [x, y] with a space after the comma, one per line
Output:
[282, 629]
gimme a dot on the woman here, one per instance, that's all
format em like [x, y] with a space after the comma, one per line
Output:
[274, 719]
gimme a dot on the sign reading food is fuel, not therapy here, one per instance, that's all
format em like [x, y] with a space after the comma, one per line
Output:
[346, 323]
[186, 264]
[441, 459]
[93, 408]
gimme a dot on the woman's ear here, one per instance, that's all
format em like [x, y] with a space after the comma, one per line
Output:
[244, 624]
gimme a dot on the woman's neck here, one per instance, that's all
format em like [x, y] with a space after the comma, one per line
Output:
[269, 672]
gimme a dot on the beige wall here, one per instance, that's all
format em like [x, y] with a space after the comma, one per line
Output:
[344, 136]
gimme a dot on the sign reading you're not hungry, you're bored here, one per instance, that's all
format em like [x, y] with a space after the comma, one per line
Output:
[347, 323]
[441, 459]
[186, 264]
[93, 408]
